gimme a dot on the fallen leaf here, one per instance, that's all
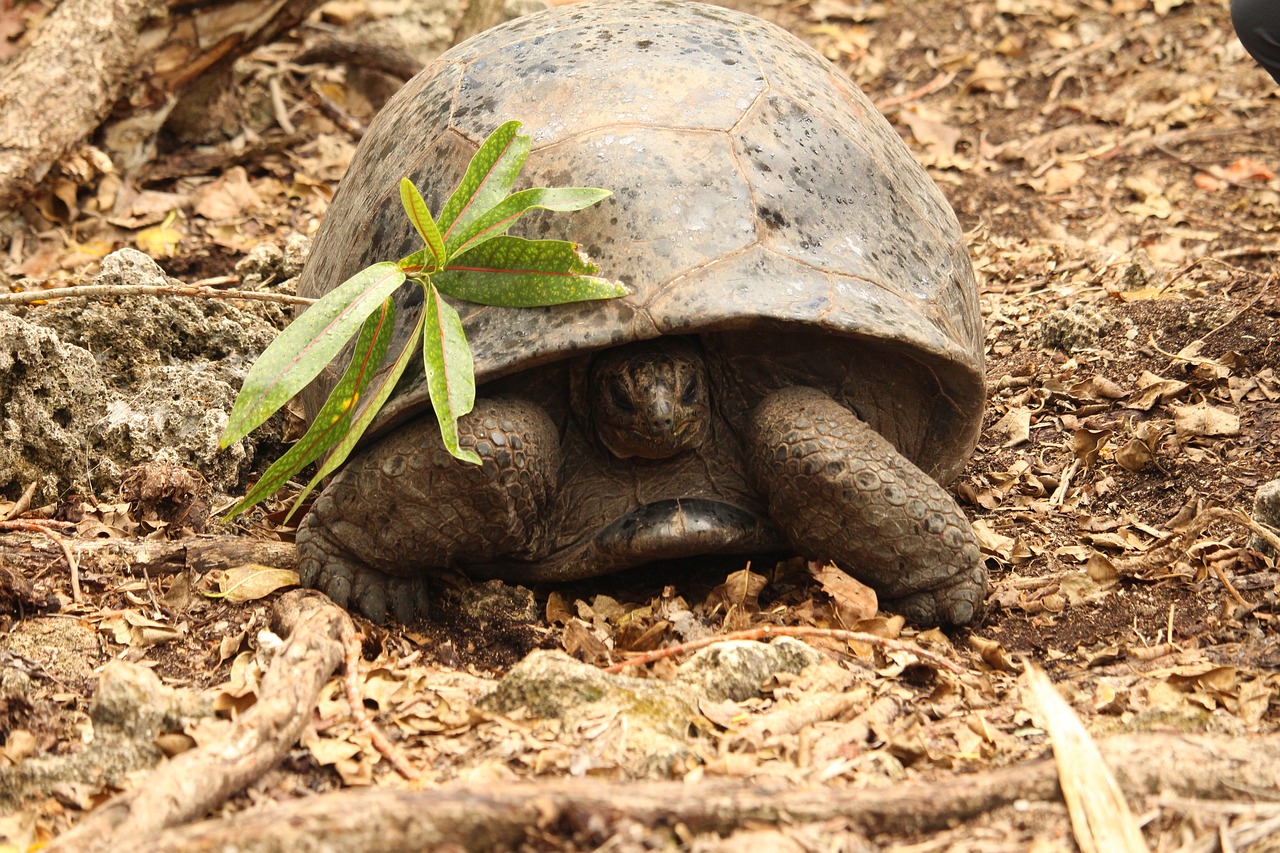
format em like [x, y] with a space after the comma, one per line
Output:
[249, 582]
[160, 240]
[741, 589]
[1203, 419]
[1016, 424]
[854, 600]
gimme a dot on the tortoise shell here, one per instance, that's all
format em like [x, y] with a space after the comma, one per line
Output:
[758, 198]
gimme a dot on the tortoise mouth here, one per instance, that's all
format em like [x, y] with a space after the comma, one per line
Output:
[683, 527]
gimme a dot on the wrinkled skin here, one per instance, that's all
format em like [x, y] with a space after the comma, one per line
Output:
[655, 472]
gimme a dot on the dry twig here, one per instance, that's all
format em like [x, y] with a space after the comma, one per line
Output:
[28, 297]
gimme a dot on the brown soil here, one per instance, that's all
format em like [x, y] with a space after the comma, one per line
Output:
[1113, 158]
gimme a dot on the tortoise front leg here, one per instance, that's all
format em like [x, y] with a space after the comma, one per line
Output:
[840, 491]
[404, 507]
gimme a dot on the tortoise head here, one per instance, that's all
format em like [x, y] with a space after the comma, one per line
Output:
[649, 400]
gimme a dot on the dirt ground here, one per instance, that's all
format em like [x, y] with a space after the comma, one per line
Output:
[1111, 162]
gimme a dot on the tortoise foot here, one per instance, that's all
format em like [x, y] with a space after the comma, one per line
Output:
[404, 508]
[841, 491]
[957, 603]
[356, 586]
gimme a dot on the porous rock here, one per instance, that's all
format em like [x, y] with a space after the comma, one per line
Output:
[51, 393]
[1266, 510]
[131, 707]
[648, 735]
[735, 670]
[1074, 328]
[175, 417]
[91, 387]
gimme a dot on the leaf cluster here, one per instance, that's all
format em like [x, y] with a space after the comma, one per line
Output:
[467, 255]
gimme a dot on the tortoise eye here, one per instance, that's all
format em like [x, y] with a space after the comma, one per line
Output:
[620, 399]
[689, 395]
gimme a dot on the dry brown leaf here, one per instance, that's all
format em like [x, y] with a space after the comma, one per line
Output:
[1152, 202]
[580, 641]
[991, 542]
[1016, 425]
[1059, 179]
[1088, 443]
[989, 75]
[1153, 389]
[230, 197]
[855, 601]
[741, 590]
[993, 654]
[249, 582]
[1100, 568]
[938, 138]
[557, 610]
[1203, 419]
[1134, 456]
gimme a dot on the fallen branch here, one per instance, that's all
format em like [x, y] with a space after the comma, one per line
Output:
[82, 54]
[200, 554]
[493, 815]
[45, 527]
[196, 782]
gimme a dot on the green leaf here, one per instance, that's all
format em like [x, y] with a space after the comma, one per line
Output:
[416, 264]
[450, 371]
[505, 213]
[309, 343]
[518, 273]
[333, 420]
[489, 177]
[416, 208]
[377, 394]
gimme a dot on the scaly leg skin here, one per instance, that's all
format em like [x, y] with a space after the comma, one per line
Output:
[404, 506]
[841, 491]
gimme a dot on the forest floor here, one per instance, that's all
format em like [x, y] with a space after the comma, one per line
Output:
[1112, 164]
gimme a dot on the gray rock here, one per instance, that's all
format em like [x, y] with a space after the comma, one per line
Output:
[131, 707]
[649, 721]
[1266, 510]
[130, 334]
[175, 417]
[51, 393]
[91, 387]
[1075, 328]
[736, 670]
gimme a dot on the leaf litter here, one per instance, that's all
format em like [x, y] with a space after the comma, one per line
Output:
[1113, 164]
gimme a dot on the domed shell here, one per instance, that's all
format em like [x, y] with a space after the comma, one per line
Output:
[753, 187]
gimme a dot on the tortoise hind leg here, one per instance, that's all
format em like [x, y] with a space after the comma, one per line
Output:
[841, 491]
[404, 507]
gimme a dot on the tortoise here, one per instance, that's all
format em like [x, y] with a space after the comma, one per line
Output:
[796, 368]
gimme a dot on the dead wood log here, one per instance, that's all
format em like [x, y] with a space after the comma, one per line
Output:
[196, 782]
[500, 815]
[63, 85]
[32, 554]
[90, 57]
